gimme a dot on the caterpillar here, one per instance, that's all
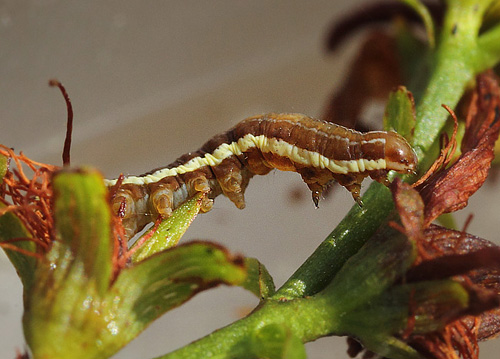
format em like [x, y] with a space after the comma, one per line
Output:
[321, 152]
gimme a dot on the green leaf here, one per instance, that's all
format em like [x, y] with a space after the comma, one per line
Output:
[275, 341]
[168, 279]
[169, 232]
[400, 113]
[258, 281]
[66, 316]
[12, 228]
[83, 221]
[423, 12]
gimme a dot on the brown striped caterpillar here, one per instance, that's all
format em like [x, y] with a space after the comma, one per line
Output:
[320, 151]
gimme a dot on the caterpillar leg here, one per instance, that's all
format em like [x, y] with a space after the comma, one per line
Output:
[353, 184]
[130, 205]
[233, 180]
[162, 200]
[381, 176]
[200, 181]
[316, 191]
[317, 180]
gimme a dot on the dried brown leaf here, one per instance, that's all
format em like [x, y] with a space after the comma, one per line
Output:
[410, 207]
[448, 190]
[372, 75]
[445, 253]
[377, 13]
[441, 243]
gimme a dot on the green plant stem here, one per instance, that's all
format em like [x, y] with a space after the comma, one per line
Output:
[454, 65]
[304, 318]
[345, 240]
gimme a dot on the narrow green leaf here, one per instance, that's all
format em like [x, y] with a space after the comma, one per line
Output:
[275, 341]
[492, 14]
[258, 281]
[423, 12]
[168, 279]
[169, 232]
[12, 228]
[400, 113]
[82, 218]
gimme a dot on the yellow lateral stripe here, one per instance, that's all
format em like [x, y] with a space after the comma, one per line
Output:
[276, 146]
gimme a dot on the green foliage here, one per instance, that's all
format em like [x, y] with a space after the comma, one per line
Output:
[80, 306]
[82, 218]
[258, 281]
[169, 231]
[11, 228]
[3, 166]
[400, 113]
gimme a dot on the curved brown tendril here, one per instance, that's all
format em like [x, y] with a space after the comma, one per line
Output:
[69, 123]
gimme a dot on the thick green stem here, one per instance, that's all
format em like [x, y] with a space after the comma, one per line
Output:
[345, 240]
[454, 66]
[303, 317]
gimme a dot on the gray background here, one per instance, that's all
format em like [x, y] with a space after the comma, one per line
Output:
[151, 80]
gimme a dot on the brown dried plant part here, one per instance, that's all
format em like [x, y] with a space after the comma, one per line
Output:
[410, 207]
[448, 189]
[372, 75]
[381, 12]
[475, 252]
[445, 253]
[69, 122]
[26, 191]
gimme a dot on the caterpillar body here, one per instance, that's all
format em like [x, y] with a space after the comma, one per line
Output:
[321, 152]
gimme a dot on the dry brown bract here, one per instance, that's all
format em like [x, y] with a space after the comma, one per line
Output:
[448, 190]
[445, 253]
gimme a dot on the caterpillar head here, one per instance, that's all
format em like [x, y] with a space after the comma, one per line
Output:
[399, 155]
